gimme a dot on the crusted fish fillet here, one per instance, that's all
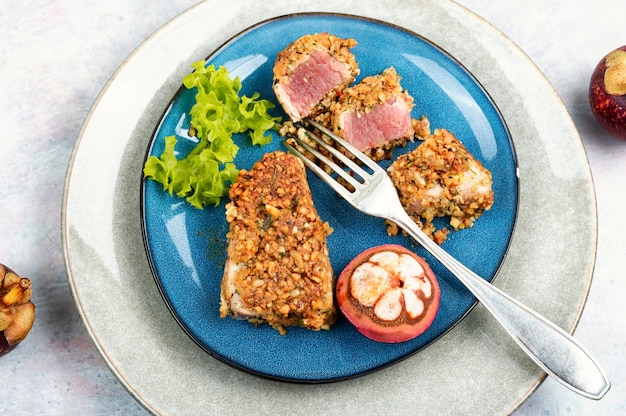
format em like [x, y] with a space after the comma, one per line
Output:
[277, 268]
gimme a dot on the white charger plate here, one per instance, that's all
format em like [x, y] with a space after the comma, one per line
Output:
[473, 369]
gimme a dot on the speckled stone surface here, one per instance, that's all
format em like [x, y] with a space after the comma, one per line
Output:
[56, 57]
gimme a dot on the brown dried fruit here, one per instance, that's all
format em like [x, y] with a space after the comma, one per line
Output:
[17, 312]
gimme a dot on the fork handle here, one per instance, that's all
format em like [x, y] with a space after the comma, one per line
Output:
[553, 349]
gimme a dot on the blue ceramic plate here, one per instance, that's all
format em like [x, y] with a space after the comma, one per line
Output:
[186, 246]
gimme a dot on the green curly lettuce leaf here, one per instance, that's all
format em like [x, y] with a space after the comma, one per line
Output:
[204, 175]
[199, 178]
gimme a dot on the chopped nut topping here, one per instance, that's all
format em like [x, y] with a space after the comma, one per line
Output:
[278, 270]
[441, 178]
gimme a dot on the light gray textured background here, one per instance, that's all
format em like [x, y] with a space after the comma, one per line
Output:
[56, 56]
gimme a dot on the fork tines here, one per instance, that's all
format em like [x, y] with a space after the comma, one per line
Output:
[332, 157]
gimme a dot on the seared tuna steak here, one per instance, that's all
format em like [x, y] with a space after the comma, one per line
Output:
[374, 113]
[311, 69]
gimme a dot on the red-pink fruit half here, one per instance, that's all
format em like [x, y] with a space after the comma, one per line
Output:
[389, 294]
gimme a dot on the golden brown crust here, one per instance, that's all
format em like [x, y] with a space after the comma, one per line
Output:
[298, 51]
[441, 178]
[368, 93]
[278, 270]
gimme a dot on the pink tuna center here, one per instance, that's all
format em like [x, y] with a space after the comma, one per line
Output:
[385, 122]
[312, 80]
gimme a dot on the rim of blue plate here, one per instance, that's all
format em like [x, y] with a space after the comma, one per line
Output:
[149, 251]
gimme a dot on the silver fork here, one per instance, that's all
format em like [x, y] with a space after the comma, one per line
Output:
[553, 349]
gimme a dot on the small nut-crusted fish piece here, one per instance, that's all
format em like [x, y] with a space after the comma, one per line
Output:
[375, 113]
[277, 267]
[441, 178]
[310, 69]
